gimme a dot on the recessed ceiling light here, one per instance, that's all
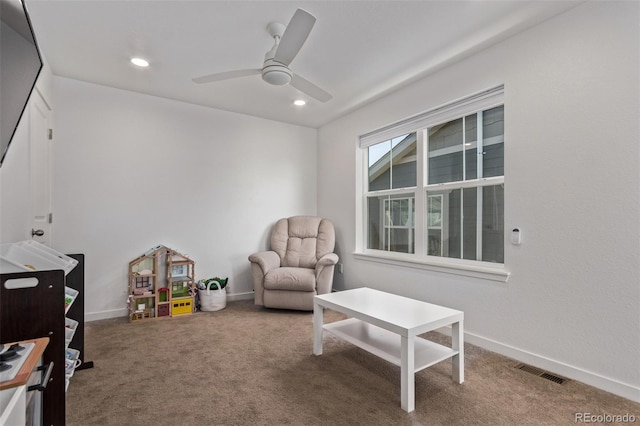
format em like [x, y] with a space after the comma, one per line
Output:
[140, 62]
[299, 102]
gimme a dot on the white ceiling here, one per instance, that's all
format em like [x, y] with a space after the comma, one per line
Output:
[357, 50]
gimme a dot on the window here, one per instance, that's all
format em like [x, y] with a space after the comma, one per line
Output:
[461, 154]
[435, 192]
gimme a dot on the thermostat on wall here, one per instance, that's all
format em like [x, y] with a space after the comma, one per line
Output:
[516, 236]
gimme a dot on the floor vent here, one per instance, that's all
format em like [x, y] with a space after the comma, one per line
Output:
[541, 373]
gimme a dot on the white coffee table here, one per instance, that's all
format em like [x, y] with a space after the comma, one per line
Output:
[387, 325]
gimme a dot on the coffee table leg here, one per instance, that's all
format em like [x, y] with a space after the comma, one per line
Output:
[407, 373]
[457, 343]
[317, 328]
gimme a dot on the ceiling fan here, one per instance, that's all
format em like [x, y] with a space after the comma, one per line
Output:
[275, 70]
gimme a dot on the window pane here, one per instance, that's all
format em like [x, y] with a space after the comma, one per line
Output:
[453, 228]
[374, 223]
[452, 225]
[380, 166]
[403, 163]
[493, 224]
[435, 221]
[391, 223]
[493, 142]
[471, 146]
[447, 157]
[469, 221]
[443, 223]
[400, 241]
[392, 163]
[445, 152]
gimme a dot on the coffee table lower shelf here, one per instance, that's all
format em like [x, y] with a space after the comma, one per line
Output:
[386, 344]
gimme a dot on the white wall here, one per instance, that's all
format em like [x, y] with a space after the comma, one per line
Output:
[571, 185]
[133, 171]
[14, 187]
[15, 190]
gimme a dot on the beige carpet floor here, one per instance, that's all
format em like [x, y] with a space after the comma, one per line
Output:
[246, 365]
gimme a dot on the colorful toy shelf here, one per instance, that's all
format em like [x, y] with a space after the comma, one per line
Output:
[161, 284]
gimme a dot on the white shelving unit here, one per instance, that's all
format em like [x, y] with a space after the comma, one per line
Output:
[32, 256]
[70, 296]
[72, 361]
[70, 330]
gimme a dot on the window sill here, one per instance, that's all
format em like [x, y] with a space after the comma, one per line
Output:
[492, 273]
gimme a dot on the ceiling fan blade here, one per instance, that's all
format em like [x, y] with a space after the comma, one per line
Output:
[309, 88]
[226, 75]
[294, 36]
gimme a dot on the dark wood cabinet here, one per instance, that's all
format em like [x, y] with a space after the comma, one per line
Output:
[38, 311]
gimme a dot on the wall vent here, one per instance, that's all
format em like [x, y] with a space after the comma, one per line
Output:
[541, 373]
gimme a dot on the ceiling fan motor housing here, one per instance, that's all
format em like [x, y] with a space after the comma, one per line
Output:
[276, 73]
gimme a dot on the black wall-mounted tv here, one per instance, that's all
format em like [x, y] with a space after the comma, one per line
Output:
[20, 65]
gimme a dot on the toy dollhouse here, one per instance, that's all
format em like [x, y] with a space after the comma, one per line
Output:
[161, 284]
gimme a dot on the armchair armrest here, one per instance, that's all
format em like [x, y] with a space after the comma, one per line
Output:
[324, 272]
[327, 260]
[266, 259]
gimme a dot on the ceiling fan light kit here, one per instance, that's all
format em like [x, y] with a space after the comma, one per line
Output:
[275, 70]
[276, 74]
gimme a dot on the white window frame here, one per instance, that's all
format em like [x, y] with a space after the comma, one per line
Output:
[471, 268]
[387, 224]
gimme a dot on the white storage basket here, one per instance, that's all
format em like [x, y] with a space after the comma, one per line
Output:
[212, 300]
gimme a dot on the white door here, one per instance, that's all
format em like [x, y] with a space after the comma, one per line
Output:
[40, 169]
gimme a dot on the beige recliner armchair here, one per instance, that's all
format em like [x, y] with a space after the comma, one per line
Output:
[299, 265]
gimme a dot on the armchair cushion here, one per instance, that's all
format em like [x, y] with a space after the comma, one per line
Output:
[301, 240]
[291, 279]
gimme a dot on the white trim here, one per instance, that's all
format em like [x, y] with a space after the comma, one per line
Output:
[473, 183]
[480, 101]
[114, 313]
[590, 378]
[392, 192]
[475, 269]
[249, 295]
[480, 144]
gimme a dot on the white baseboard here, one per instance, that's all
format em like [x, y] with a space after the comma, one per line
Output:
[118, 313]
[114, 313]
[607, 384]
[240, 296]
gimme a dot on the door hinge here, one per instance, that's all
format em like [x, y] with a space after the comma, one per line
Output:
[50, 217]
[50, 134]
